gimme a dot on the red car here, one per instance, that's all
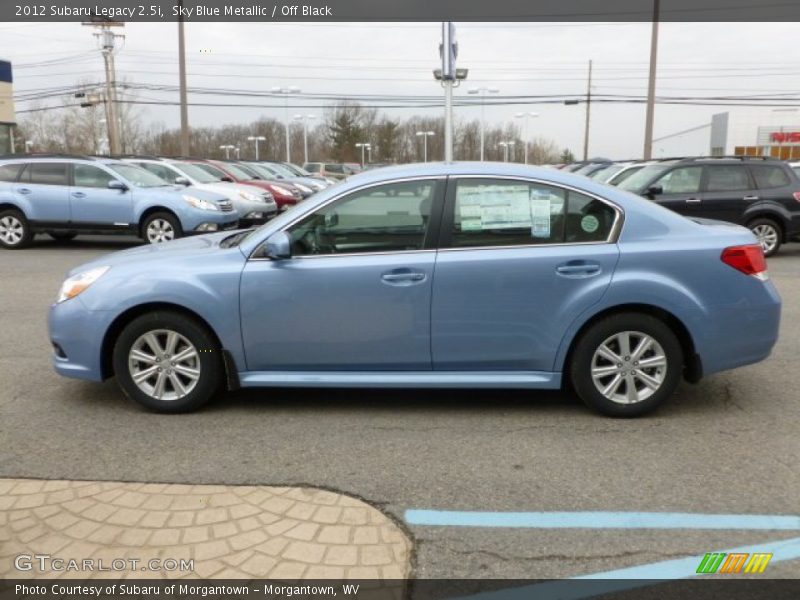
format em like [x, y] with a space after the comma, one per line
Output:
[285, 194]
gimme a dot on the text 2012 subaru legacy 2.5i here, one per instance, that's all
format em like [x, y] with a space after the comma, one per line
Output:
[438, 275]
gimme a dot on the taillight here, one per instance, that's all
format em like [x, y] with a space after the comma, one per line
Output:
[796, 196]
[747, 259]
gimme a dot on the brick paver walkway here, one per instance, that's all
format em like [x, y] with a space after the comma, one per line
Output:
[228, 531]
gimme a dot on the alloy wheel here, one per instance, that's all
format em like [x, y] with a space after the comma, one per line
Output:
[767, 236]
[160, 230]
[629, 367]
[164, 364]
[11, 230]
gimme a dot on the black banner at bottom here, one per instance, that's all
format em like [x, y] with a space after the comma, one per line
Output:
[423, 589]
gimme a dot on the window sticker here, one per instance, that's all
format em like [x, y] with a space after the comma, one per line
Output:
[590, 223]
[540, 217]
[494, 207]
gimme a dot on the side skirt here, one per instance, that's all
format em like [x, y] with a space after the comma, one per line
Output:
[399, 379]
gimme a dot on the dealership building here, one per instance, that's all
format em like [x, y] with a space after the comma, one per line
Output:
[7, 120]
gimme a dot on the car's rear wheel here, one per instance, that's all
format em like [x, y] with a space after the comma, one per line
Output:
[15, 232]
[768, 233]
[161, 227]
[626, 365]
[62, 236]
[167, 362]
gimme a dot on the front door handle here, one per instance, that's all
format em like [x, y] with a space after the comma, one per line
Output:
[577, 269]
[750, 198]
[78, 195]
[693, 200]
[24, 191]
[403, 277]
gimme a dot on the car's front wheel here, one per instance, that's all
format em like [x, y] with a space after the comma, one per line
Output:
[14, 230]
[768, 233]
[167, 362]
[161, 227]
[626, 365]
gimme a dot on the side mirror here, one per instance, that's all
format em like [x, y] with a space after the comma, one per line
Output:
[227, 178]
[279, 246]
[116, 184]
[331, 220]
[655, 190]
[182, 181]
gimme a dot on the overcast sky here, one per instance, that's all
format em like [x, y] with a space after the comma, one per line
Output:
[695, 59]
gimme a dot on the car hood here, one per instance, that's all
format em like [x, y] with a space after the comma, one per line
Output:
[194, 246]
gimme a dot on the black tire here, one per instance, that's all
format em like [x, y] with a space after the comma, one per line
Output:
[583, 355]
[15, 232]
[763, 225]
[162, 217]
[208, 358]
[62, 236]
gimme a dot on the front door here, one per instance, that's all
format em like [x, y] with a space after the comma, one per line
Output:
[93, 203]
[518, 263]
[356, 293]
[681, 191]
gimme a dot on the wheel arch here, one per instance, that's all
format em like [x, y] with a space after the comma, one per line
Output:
[693, 367]
[776, 217]
[152, 210]
[126, 317]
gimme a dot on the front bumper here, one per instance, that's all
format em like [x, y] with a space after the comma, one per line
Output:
[75, 333]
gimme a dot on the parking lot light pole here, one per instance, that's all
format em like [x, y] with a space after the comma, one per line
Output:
[424, 135]
[305, 119]
[256, 139]
[526, 116]
[227, 148]
[506, 146]
[286, 91]
[483, 91]
[364, 146]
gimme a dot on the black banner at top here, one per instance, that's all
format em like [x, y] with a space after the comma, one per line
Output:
[399, 10]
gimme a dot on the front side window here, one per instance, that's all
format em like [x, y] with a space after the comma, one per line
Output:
[91, 177]
[727, 178]
[683, 180]
[9, 172]
[48, 173]
[639, 181]
[499, 212]
[386, 218]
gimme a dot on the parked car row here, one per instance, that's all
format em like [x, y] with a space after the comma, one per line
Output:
[760, 193]
[157, 199]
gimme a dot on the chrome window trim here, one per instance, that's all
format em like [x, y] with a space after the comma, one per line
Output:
[339, 197]
[613, 237]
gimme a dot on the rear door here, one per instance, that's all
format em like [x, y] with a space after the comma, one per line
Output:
[728, 190]
[518, 262]
[93, 203]
[46, 186]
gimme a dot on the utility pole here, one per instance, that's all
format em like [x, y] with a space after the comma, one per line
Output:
[108, 40]
[449, 51]
[651, 86]
[588, 114]
[182, 76]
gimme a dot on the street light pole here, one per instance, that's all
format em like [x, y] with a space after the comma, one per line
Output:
[286, 91]
[588, 113]
[651, 86]
[305, 119]
[424, 135]
[256, 139]
[526, 115]
[364, 146]
[483, 91]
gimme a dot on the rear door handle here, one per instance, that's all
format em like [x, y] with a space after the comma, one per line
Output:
[577, 270]
[78, 195]
[24, 191]
[403, 277]
[693, 200]
[750, 198]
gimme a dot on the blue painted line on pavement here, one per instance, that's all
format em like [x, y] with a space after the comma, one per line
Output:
[600, 520]
[597, 584]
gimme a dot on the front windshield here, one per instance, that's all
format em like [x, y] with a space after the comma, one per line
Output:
[296, 170]
[282, 170]
[641, 178]
[602, 174]
[195, 172]
[211, 169]
[137, 176]
[263, 171]
[239, 172]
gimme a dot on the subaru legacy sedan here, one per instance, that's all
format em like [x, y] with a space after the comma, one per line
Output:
[463, 275]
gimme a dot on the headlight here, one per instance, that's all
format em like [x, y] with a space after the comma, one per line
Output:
[277, 189]
[251, 197]
[80, 282]
[201, 204]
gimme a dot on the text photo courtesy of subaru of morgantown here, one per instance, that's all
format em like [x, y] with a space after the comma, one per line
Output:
[399, 301]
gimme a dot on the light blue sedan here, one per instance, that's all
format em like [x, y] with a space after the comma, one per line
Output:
[464, 275]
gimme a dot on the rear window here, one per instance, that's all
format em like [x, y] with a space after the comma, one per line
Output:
[727, 178]
[312, 167]
[770, 176]
[48, 173]
[10, 172]
[335, 168]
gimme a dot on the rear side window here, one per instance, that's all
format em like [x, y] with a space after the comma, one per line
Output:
[48, 173]
[91, 177]
[727, 178]
[770, 176]
[9, 172]
[499, 212]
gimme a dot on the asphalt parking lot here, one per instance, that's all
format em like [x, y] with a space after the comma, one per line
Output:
[728, 445]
